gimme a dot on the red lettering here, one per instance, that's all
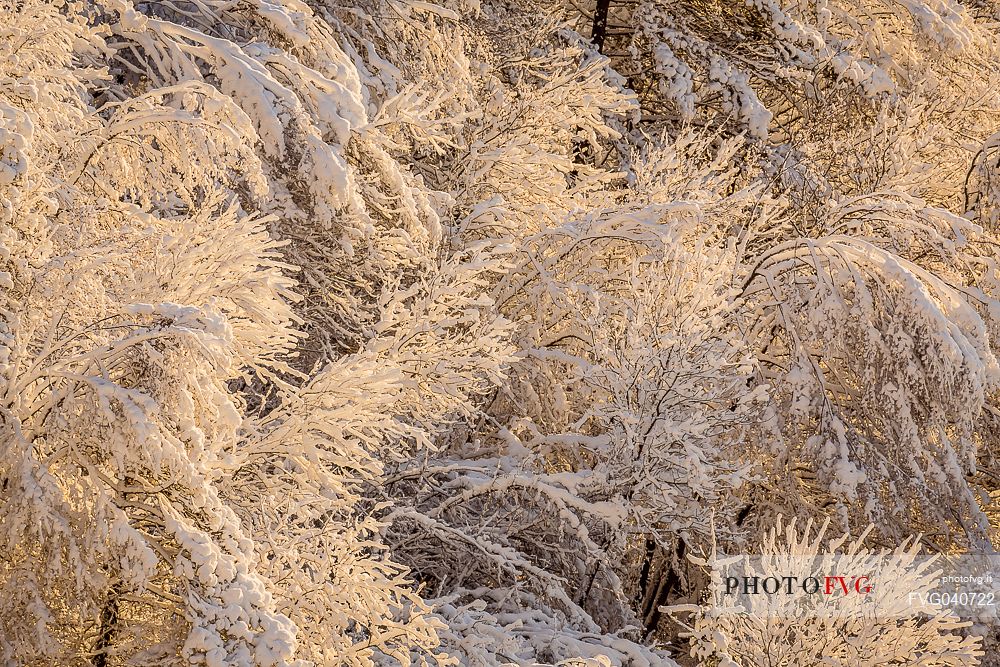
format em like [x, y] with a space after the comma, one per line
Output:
[829, 584]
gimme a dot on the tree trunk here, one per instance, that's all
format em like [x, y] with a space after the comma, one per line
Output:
[600, 28]
[109, 620]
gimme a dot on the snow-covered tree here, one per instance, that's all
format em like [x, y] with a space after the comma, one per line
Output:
[155, 510]
[391, 331]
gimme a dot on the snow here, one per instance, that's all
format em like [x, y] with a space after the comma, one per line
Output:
[415, 332]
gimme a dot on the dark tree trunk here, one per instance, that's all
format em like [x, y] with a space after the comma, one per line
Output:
[647, 563]
[671, 583]
[600, 28]
[109, 620]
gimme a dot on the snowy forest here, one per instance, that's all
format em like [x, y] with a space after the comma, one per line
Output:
[469, 332]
